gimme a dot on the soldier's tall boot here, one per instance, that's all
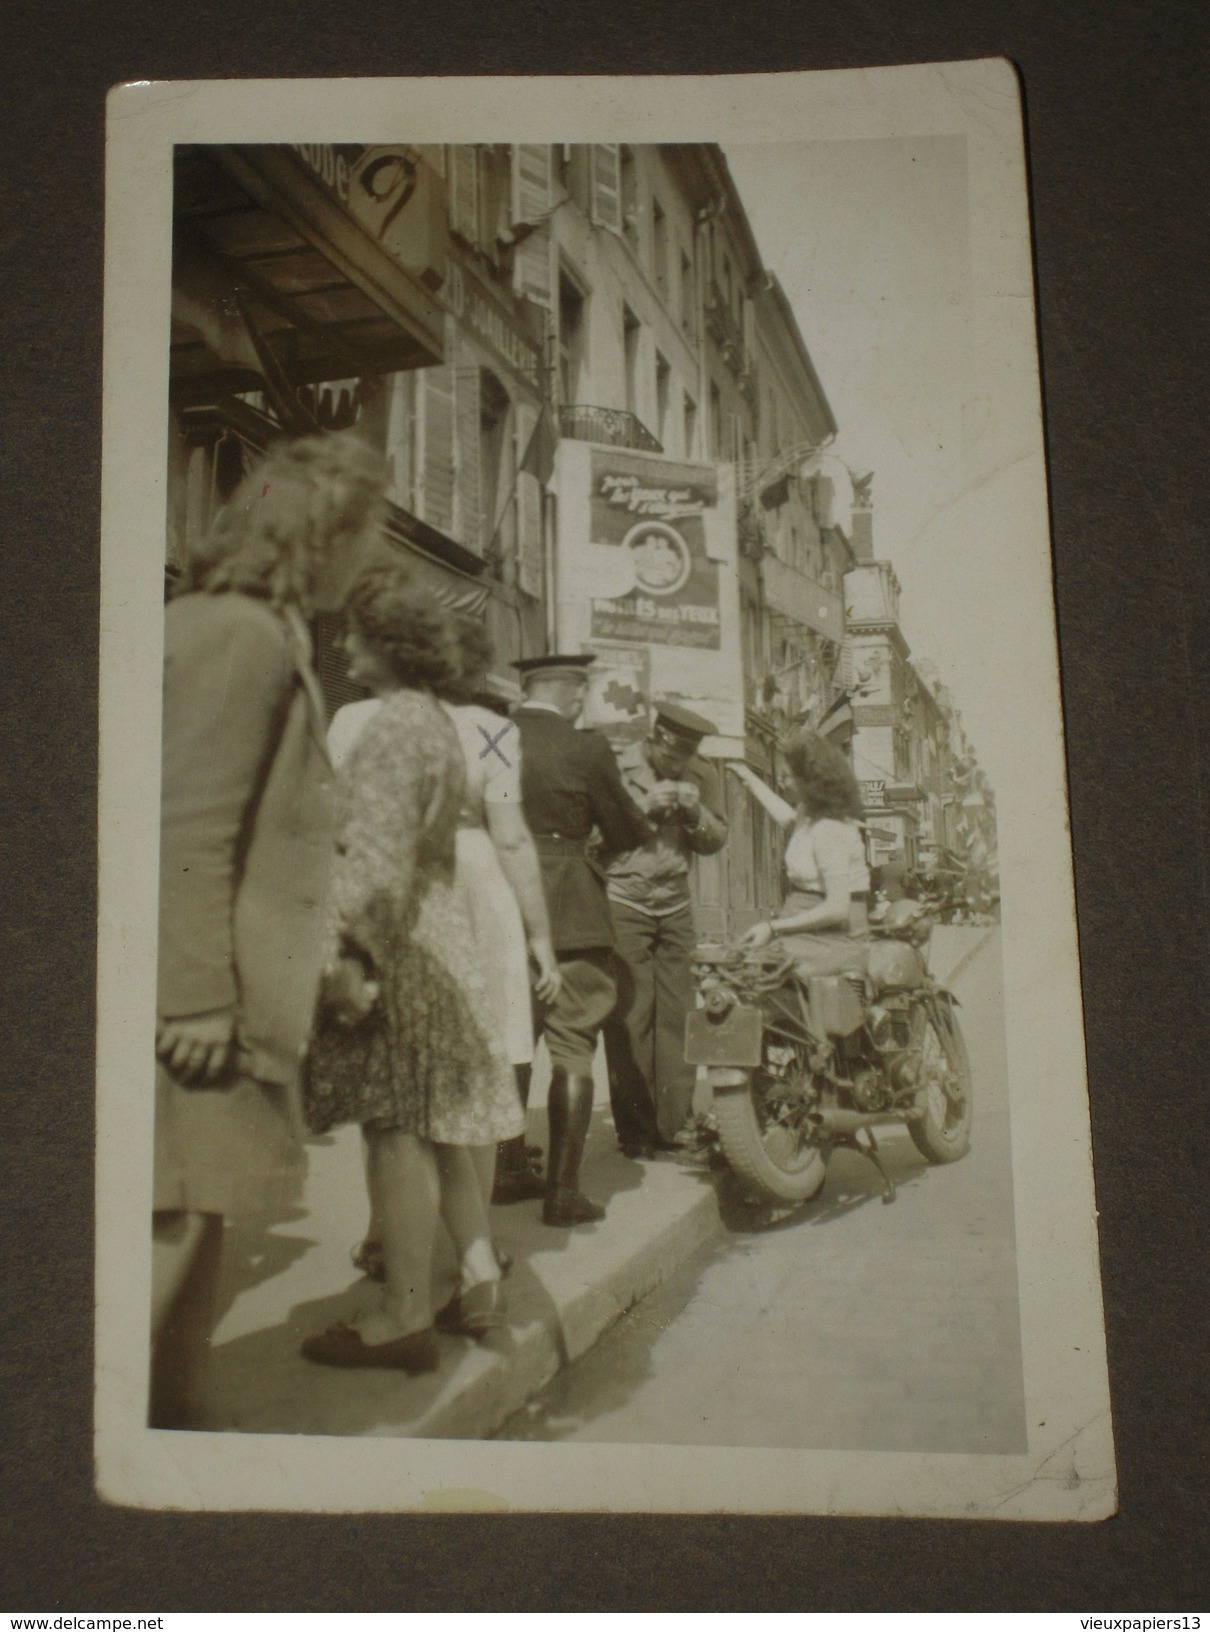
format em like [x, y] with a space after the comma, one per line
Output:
[569, 1111]
[516, 1180]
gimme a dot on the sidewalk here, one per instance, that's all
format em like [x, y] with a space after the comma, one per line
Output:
[290, 1277]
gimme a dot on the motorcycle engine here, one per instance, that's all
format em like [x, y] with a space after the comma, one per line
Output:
[779, 1060]
[869, 1090]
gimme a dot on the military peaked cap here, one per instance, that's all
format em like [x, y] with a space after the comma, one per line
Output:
[571, 663]
[683, 722]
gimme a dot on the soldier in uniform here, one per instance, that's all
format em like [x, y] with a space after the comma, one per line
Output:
[650, 1086]
[570, 786]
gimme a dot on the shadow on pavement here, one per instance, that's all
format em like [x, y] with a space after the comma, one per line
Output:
[259, 1382]
[617, 1364]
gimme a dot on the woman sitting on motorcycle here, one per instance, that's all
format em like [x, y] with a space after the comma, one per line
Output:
[824, 918]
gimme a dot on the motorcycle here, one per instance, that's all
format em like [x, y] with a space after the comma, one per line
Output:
[800, 1067]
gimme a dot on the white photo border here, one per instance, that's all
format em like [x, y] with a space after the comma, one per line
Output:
[1068, 1471]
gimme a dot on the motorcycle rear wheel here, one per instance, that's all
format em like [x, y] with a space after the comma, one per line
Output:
[943, 1134]
[770, 1161]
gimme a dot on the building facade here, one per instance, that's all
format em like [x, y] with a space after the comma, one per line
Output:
[327, 287]
[514, 325]
[927, 802]
[673, 340]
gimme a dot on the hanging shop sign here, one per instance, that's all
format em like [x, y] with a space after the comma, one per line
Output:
[393, 195]
[647, 557]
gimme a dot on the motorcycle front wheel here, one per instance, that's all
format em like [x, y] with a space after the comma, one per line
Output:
[943, 1134]
[771, 1162]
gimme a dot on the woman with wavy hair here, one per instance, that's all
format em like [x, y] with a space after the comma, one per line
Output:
[500, 878]
[824, 917]
[246, 842]
[405, 1043]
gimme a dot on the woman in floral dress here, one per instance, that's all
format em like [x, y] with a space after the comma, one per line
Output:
[400, 1043]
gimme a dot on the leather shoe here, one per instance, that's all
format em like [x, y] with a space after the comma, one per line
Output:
[521, 1184]
[638, 1150]
[477, 1312]
[369, 1258]
[566, 1208]
[342, 1345]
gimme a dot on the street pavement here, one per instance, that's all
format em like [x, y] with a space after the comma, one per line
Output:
[853, 1325]
[882, 1316]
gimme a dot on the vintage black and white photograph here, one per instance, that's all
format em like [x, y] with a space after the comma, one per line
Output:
[589, 999]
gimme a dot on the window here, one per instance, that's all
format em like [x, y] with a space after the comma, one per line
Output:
[529, 205]
[630, 197]
[630, 353]
[495, 482]
[690, 425]
[716, 423]
[659, 247]
[463, 177]
[400, 441]
[688, 295]
[571, 338]
[495, 197]
[605, 185]
[663, 383]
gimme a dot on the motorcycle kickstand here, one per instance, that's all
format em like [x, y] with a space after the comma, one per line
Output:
[871, 1154]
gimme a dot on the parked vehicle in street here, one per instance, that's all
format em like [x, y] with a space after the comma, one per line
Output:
[801, 1067]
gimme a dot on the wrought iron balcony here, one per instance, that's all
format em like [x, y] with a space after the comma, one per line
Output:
[615, 427]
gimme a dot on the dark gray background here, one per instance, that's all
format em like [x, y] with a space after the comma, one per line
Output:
[1115, 98]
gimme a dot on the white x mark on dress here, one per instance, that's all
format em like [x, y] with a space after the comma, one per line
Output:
[492, 743]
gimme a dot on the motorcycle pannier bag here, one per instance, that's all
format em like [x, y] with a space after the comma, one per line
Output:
[835, 1005]
[894, 966]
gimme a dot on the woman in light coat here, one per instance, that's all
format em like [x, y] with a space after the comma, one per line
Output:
[246, 846]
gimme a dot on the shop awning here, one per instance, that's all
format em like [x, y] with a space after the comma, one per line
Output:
[258, 235]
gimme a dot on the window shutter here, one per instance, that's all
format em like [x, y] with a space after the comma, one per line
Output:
[464, 192]
[438, 397]
[467, 528]
[530, 202]
[607, 186]
[529, 511]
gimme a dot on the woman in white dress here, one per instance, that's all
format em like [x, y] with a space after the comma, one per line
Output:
[498, 869]
[824, 919]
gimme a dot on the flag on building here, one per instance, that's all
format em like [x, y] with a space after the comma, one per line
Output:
[539, 457]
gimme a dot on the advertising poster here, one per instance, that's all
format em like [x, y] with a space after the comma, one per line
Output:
[646, 550]
[619, 688]
[654, 517]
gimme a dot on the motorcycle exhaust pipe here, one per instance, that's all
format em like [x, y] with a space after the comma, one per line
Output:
[840, 1121]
